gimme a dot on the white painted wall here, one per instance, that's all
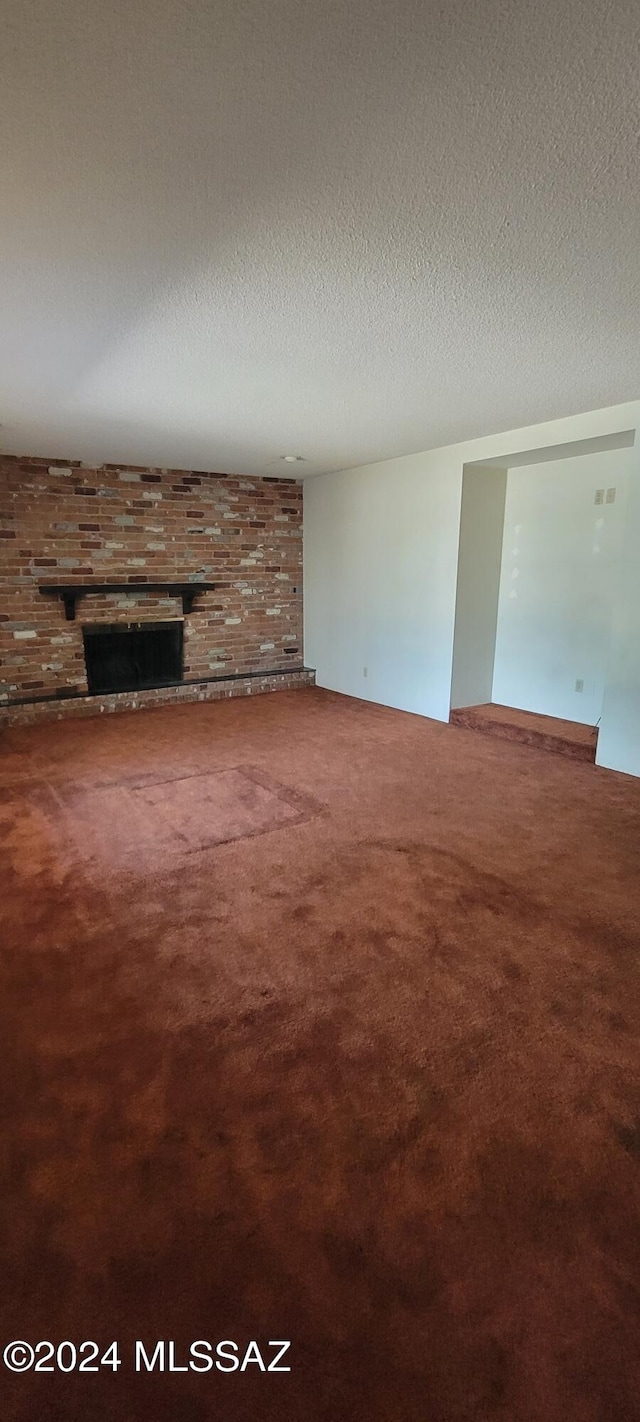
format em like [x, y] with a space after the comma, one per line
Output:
[381, 556]
[380, 553]
[479, 564]
[559, 561]
[619, 739]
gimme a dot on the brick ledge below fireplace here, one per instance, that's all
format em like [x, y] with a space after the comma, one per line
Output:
[217, 689]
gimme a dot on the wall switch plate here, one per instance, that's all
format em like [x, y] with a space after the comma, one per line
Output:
[599, 498]
[365, 671]
[611, 496]
[579, 684]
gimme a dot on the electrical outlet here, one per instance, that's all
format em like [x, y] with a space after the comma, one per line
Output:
[599, 498]
[579, 684]
[611, 496]
[365, 671]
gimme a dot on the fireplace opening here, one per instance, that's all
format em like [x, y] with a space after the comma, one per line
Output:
[131, 656]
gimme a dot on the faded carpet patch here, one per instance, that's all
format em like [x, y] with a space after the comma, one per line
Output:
[159, 819]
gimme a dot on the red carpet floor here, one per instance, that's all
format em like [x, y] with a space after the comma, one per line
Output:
[319, 1023]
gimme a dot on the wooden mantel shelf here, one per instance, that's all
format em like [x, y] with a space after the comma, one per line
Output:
[70, 593]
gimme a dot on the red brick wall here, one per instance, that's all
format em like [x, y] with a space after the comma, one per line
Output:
[62, 522]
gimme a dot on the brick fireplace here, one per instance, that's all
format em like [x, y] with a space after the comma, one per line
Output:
[68, 527]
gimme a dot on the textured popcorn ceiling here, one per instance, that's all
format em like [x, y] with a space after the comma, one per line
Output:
[232, 230]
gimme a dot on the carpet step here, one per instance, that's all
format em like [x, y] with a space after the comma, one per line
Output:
[566, 738]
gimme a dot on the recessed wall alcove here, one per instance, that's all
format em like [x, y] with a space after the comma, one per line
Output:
[540, 540]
